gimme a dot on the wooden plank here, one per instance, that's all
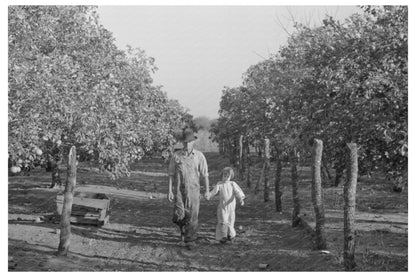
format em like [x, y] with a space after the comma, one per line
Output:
[95, 203]
[92, 195]
[89, 221]
[103, 214]
[106, 220]
[97, 196]
[85, 210]
[86, 214]
[83, 213]
[87, 202]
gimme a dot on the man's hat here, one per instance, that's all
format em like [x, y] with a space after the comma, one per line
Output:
[188, 135]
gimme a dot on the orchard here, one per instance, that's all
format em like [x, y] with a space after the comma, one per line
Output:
[339, 82]
[70, 85]
[336, 94]
[317, 134]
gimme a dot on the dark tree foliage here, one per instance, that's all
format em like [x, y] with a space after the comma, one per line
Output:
[338, 82]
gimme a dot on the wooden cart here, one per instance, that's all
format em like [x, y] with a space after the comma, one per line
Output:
[87, 208]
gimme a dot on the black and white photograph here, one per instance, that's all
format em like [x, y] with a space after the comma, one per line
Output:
[216, 136]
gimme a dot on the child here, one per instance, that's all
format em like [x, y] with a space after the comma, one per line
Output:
[229, 191]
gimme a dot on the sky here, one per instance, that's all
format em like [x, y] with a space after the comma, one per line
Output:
[199, 50]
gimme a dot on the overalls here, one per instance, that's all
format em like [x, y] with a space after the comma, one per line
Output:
[187, 195]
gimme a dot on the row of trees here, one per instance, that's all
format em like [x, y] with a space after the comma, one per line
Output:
[70, 85]
[340, 83]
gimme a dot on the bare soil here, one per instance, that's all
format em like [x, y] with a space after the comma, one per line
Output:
[141, 236]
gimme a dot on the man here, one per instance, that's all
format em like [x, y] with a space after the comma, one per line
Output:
[186, 167]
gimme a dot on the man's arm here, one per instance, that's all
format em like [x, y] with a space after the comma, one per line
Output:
[203, 169]
[206, 181]
[170, 193]
[171, 173]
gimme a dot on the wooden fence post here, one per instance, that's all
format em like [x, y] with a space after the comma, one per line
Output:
[294, 174]
[277, 191]
[67, 205]
[317, 194]
[349, 207]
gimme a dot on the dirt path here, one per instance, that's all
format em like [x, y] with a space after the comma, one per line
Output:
[141, 236]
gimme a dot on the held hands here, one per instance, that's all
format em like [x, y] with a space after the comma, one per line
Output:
[242, 202]
[170, 196]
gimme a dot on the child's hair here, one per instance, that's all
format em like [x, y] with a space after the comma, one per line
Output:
[228, 170]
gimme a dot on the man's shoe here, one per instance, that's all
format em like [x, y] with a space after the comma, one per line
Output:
[190, 245]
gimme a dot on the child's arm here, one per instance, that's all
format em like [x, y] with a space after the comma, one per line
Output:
[214, 191]
[238, 192]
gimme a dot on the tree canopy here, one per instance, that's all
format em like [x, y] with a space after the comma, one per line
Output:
[340, 82]
[70, 85]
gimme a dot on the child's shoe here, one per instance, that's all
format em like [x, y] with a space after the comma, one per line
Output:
[230, 239]
[223, 240]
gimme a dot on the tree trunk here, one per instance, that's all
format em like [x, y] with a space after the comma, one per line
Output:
[296, 202]
[225, 147]
[244, 155]
[235, 153]
[248, 163]
[317, 194]
[266, 180]
[257, 188]
[277, 191]
[259, 149]
[52, 166]
[266, 169]
[56, 177]
[327, 172]
[240, 156]
[67, 205]
[338, 176]
[339, 165]
[230, 151]
[220, 147]
[349, 207]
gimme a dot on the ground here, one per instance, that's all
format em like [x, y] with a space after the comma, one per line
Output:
[141, 236]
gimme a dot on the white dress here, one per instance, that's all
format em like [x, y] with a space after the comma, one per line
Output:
[228, 191]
